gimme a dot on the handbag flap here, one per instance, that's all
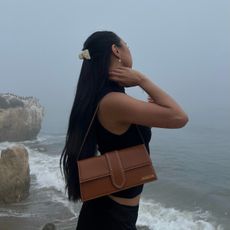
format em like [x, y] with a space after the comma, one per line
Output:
[135, 156]
[100, 166]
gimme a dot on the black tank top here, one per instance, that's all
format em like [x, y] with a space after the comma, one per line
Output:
[108, 141]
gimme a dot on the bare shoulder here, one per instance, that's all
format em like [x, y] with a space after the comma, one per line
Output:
[116, 102]
[108, 114]
[124, 109]
[120, 106]
[111, 104]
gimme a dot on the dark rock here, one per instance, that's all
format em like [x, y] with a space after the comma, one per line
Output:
[3, 103]
[14, 102]
[49, 226]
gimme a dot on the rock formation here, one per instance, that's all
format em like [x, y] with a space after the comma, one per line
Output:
[49, 226]
[14, 174]
[20, 117]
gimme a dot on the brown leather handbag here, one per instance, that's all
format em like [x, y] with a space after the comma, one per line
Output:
[114, 171]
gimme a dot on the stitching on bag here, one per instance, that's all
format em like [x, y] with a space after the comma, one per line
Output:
[122, 171]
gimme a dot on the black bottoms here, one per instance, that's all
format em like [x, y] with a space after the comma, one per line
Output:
[104, 213]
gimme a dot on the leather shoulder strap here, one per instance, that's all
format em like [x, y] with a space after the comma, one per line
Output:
[91, 122]
[87, 132]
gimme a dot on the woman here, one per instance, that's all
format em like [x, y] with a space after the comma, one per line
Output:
[106, 71]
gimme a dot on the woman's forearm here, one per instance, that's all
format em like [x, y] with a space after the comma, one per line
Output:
[159, 96]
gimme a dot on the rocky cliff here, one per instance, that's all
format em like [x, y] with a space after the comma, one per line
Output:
[20, 117]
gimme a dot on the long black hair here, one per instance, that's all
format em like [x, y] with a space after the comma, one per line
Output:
[92, 81]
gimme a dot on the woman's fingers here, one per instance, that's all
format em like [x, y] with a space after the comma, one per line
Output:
[124, 75]
[114, 78]
[123, 68]
[116, 71]
[116, 74]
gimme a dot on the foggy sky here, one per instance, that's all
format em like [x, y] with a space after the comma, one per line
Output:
[183, 46]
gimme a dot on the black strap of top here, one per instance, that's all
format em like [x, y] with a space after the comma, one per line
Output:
[91, 122]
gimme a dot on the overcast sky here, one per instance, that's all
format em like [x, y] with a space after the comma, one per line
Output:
[183, 46]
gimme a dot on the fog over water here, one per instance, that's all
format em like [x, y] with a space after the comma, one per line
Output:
[183, 46]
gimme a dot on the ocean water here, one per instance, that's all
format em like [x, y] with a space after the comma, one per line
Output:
[192, 191]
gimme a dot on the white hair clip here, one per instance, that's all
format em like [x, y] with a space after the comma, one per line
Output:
[84, 54]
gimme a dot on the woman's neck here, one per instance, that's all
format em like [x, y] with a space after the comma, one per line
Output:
[115, 63]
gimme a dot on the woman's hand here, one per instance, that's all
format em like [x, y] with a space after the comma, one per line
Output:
[126, 76]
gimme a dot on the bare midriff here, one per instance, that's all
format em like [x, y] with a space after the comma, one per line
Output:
[126, 201]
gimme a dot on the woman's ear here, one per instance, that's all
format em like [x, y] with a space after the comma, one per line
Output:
[115, 51]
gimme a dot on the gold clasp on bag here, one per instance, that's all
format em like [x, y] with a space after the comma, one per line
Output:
[147, 177]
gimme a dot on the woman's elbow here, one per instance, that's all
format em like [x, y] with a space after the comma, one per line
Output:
[176, 121]
[180, 121]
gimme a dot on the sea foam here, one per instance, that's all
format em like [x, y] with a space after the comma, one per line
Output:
[46, 170]
[157, 217]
